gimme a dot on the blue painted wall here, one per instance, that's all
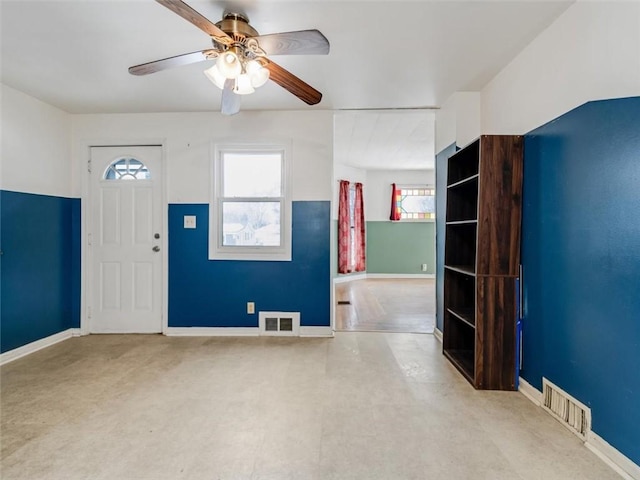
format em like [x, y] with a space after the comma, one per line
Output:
[581, 258]
[214, 293]
[441, 206]
[40, 269]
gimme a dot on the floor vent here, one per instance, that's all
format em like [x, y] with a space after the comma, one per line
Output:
[279, 323]
[569, 411]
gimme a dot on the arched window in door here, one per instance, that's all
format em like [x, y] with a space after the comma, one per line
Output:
[127, 169]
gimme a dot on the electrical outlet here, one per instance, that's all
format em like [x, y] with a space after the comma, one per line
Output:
[251, 308]
[424, 267]
[189, 221]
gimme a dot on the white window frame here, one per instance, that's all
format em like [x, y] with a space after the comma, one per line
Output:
[218, 251]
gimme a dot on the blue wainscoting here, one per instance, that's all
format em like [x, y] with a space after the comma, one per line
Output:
[214, 293]
[40, 269]
[581, 258]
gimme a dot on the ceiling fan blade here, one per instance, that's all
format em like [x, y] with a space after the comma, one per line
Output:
[185, 11]
[302, 42]
[165, 63]
[289, 81]
[230, 104]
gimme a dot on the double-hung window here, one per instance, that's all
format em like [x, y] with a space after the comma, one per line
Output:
[250, 213]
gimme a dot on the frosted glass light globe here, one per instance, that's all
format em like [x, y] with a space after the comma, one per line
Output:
[215, 76]
[258, 74]
[243, 85]
[229, 65]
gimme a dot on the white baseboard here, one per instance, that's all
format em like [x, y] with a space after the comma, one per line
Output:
[438, 334]
[364, 276]
[400, 275]
[29, 348]
[316, 332]
[239, 332]
[626, 468]
[349, 278]
[529, 391]
[212, 331]
[612, 457]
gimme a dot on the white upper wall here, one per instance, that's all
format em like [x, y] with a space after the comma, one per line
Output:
[591, 52]
[376, 186]
[345, 172]
[377, 189]
[36, 146]
[458, 120]
[188, 139]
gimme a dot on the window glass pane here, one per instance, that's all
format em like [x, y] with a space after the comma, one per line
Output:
[252, 175]
[352, 223]
[127, 169]
[418, 203]
[251, 224]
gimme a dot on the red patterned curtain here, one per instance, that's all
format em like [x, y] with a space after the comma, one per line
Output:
[395, 211]
[344, 228]
[358, 231]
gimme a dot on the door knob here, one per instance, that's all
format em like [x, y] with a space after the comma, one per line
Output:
[156, 248]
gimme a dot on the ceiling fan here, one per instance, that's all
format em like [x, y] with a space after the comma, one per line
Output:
[241, 56]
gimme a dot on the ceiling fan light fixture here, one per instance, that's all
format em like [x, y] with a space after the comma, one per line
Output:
[258, 74]
[241, 56]
[215, 76]
[229, 64]
[243, 85]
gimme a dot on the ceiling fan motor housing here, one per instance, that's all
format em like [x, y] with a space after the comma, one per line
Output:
[236, 26]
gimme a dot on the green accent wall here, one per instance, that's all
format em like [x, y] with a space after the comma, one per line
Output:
[401, 247]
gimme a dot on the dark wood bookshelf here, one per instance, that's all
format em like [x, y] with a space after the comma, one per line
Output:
[463, 181]
[482, 257]
[463, 222]
[465, 269]
[466, 315]
[464, 201]
[464, 163]
[463, 360]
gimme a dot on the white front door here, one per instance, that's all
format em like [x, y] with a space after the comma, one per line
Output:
[125, 223]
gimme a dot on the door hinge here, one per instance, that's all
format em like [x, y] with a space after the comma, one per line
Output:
[89, 165]
[89, 239]
[88, 312]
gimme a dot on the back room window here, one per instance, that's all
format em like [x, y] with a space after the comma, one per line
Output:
[417, 202]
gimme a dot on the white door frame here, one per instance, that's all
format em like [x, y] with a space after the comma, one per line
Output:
[86, 253]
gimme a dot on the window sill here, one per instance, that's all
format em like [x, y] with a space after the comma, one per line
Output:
[252, 256]
[417, 220]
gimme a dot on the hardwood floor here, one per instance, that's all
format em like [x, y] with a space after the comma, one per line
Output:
[387, 305]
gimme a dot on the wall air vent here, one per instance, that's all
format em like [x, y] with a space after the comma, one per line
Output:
[566, 409]
[279, 323]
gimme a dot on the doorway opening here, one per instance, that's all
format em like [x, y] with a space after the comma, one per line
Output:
[403, 305]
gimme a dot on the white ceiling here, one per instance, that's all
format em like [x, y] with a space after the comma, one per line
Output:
[387, 140]
[390, 54]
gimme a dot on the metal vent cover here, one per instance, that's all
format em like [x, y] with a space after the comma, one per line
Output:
[271, 324]
[279, 323]
[567, 410]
